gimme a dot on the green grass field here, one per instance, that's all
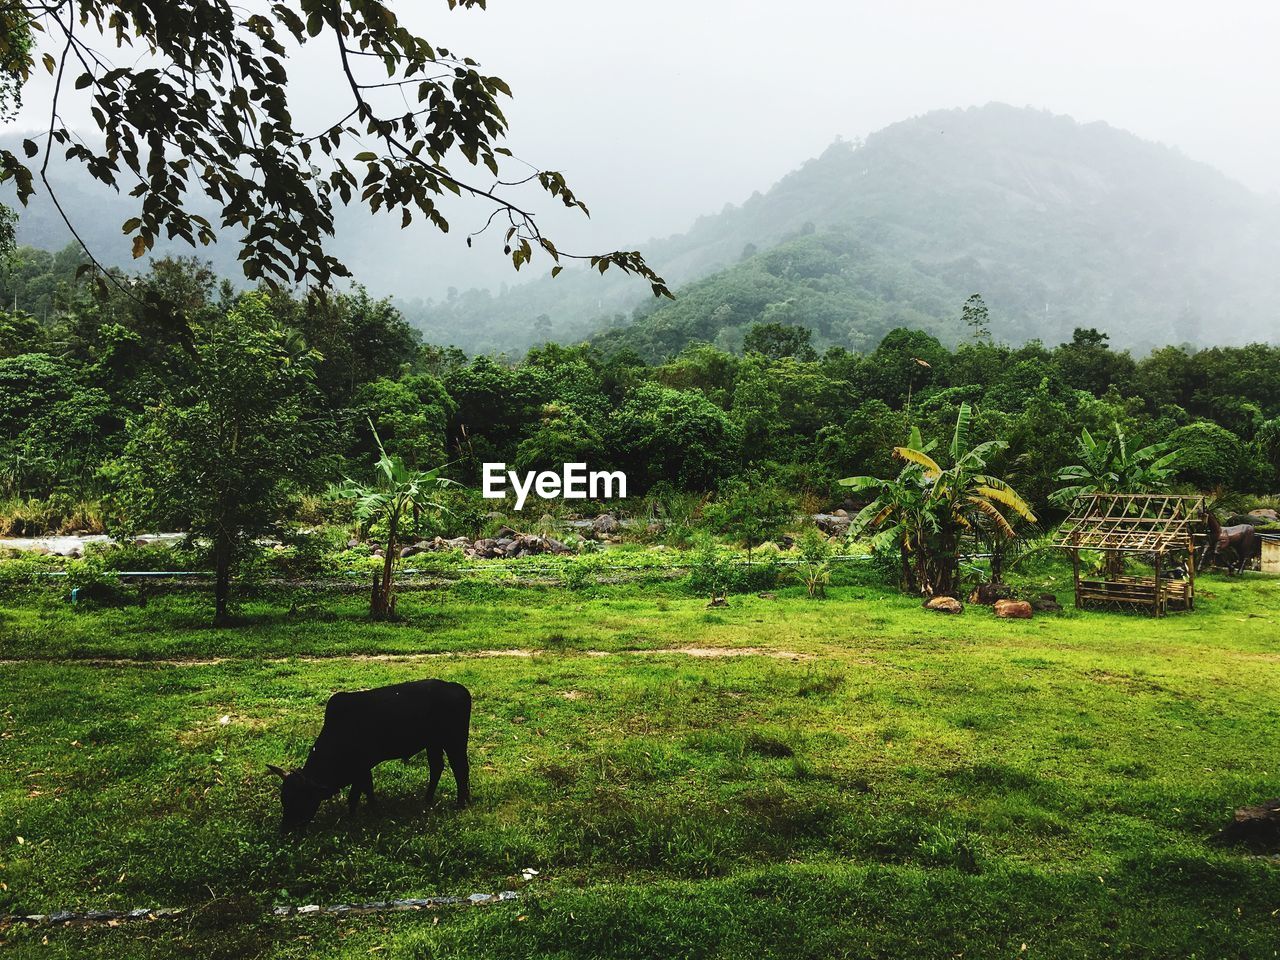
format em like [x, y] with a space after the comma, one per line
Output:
[849, 777]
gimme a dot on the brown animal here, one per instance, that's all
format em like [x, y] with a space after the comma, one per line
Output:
[1241, 539]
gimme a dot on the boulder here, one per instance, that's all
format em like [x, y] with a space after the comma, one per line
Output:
[604, 524]
[407, 552]
[944, 605]
[1046, 603]
[988, 593]
[832, 524]
[1013, 609]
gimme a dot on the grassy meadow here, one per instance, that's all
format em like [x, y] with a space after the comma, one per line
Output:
[788, 777]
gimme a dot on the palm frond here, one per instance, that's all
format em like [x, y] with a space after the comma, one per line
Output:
[989, 510]
[913, 455]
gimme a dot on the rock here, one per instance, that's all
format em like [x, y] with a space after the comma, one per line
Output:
[1013, 609]
[604, 524]
[378, 552]
[840, 512]
[1257, 827]
[506, 533]
[832, 524]
[1268, 515]
[944, 605]
[988, 593]
[407, 552]
[1046, 603]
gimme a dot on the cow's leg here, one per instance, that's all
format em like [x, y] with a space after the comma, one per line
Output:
[363, 783]
[461, 771]
[435, 762]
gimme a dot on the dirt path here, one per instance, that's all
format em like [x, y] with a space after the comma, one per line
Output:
[699, 652]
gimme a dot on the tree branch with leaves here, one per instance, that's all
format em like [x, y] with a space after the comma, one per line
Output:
[206, 110]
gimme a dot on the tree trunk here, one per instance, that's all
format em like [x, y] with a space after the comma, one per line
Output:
[221, 579]
[384, 603]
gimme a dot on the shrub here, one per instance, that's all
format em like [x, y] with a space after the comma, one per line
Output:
[815, 561]
[710, 573]
[89, 580]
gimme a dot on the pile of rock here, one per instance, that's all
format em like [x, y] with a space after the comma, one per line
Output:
[604, 527]
[506, 543]
[835, 524]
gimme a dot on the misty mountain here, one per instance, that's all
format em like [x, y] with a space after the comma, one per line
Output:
[1057, 224]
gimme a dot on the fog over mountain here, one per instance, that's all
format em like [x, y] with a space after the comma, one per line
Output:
[677, 112]
[1057, 224]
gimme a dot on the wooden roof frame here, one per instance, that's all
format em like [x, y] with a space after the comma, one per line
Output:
[1154, 523]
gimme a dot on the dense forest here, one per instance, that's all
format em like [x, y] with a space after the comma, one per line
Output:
[1059, 224]
[97, 389]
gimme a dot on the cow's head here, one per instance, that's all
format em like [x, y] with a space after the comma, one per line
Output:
[300, 797]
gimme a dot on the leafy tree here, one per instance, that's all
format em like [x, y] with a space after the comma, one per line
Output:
[1268, 440]
[977, 318]
[924, 509]
[396, 493]
[864, 442]
[411, 415]
[702, 367]
[209, 110]
[663, 434]
[778, 340]
[750, 511]
[562, 437]
[497, 405]
[905, 363]
[1210, 455]
[360, 339]
[224, 455]
[55, 427]
[1088, 363]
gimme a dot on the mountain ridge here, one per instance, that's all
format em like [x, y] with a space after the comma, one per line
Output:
[1058, 224]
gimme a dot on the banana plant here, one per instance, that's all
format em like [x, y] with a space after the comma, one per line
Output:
[1109, 467]
[396, 492]
[927, 507]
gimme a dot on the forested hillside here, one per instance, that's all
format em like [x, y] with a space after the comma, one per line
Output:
[1058, 224]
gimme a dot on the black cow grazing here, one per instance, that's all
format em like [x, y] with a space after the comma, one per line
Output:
[365, 727]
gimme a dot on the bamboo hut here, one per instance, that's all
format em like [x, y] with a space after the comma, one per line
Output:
[1162, 527]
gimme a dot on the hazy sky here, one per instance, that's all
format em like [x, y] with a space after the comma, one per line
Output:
[662, 110]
